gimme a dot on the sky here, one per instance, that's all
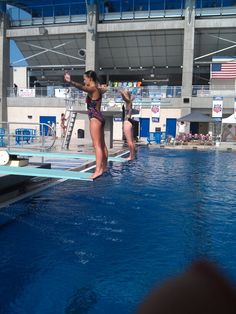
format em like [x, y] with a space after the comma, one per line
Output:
[15, 55]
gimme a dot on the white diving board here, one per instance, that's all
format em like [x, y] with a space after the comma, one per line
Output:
[60, 155]
[46, 173]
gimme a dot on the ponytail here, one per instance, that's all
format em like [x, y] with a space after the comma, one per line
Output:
[92, 74]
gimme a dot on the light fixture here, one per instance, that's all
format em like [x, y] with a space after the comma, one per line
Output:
[140, 67]
[167, 66]
[129, 68]
[100, 69]
[181, 67]
[82, 53]
[154, 67]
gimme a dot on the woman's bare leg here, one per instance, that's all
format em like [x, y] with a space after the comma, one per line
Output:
[96, 135]
[128, 131]
[105, 151]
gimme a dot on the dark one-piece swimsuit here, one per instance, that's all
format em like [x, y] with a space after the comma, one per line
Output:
[92, 105]
[127, 115]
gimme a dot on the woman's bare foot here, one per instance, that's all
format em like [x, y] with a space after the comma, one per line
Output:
[96, 174]
[130, 158]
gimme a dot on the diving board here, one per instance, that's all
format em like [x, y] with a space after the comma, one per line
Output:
[46, 173]
[60, 155]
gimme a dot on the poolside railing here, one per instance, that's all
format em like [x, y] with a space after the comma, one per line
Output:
[27, 135]
[112, 92]
[214, 90]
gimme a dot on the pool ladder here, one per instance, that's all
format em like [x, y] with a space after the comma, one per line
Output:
[69, 130]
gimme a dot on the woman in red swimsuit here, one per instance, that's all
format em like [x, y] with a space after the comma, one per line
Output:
[97, 122]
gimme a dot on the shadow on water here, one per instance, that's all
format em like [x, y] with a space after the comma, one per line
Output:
[80, 303]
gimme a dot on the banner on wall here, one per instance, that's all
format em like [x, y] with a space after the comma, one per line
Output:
[217, 107]
[26, 92]
[235, 108]
[61, 93]
[155, 111]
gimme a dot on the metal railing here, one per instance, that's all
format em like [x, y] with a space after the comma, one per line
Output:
[69, 12]
[139, 9]
[210, 91]
[27, 135]
[113, 92]
[48, 14]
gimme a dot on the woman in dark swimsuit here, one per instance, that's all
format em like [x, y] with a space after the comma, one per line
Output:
[97, 122]
[128, 126]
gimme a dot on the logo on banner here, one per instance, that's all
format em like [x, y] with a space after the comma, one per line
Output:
[217, 108]
[155, 109]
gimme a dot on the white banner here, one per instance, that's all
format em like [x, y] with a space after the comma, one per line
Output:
[62, 92]
[217, 107]
[26, 92]
[155, 111]
[235, 108]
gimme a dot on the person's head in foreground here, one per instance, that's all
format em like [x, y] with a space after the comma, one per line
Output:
[202, 289]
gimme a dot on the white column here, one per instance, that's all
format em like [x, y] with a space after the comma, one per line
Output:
[188, 50]
[4, 66]
[91, 38]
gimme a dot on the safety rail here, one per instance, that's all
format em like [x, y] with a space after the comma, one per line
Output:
[113, 92]
[213, 90]
[74, 12]
[30, 135]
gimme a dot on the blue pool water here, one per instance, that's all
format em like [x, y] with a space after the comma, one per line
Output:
[94, 248]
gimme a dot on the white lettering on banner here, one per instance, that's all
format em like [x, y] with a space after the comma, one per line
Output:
[217, 107]
[26, 92]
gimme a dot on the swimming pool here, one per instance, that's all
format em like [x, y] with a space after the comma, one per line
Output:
[94, 248]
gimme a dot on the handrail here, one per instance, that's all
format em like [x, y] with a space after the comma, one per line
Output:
[112, 92]
[22, 135]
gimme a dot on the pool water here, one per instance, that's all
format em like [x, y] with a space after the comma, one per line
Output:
[82, 247]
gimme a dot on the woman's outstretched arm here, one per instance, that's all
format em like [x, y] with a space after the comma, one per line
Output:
[80, 86]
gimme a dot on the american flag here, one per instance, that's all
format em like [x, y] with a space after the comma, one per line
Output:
[223, 70]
